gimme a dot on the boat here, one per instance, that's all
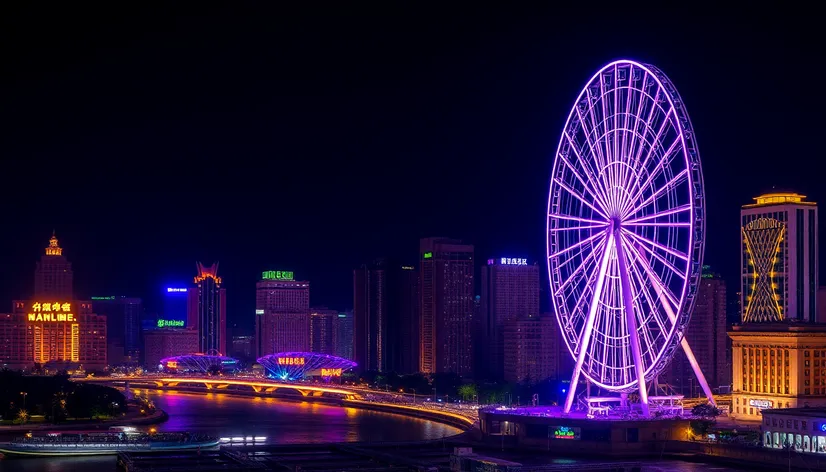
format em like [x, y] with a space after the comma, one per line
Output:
[96, 443]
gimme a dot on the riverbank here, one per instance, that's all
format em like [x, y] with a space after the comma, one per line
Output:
[133, 419]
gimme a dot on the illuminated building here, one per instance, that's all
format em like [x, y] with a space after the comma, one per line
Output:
[706, 333]
[208, 310]
[176, 304]
[343, 335]
[301, 365]
[802, 428]
[53, 329]
[199, 364]
[446, 304]
[242, 347]
[53, 275]
[530, 355]
[168, 342]
[123, 326]
[321, 330]
[385, 316]
[777, 365]
[282, 313]
[510, 289]
[779, 258]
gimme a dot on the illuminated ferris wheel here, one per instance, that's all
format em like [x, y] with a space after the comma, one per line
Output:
[625, 230]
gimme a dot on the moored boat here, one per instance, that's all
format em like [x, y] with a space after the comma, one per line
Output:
[84, 443]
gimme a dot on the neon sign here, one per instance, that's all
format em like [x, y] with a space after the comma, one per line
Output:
[331, 372]
[566, 432]
[51, 311]
[103, 298]
[170, 323]
[171, 364]
[513, 261]
[259, 312]
[290, 361]
[175, 290]
[760, 403]
[277, 275]
[823, 427]
[427, 255]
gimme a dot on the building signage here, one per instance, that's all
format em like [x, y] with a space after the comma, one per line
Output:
[170, 323]
[259, 312]
[171, 364]
[277, 275]
[331, 372]
[565, 432]
[427, 255]
[761, 404]
[51, 311]
[103, 298]
[175, 290]
[290, 361]
[513, 261]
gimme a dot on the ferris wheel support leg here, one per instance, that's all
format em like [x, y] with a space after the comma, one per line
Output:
[589, 324]
[631, 321]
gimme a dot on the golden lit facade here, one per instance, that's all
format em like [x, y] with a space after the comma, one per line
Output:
[779, 258]
[777, 366]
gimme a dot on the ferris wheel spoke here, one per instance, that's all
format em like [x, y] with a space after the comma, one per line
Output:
[660, 214]
[590, 188]
[671, 184]
[667, 299]
[643, 287]
[590, 259]
[665, 159]
[601, 190]
[664, 262]
[639, 291]
[635, 151]
[647, 242]
[557, 216]
[596, 148]
[579, 197]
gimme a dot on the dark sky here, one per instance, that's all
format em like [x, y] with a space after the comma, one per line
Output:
[313, 141]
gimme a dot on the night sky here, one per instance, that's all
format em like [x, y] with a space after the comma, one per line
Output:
[316, 140]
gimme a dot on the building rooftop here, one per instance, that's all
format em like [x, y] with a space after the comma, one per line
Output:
[782, 327]
[809, 412]
[779, 198]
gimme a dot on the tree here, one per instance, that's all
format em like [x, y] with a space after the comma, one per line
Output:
[705, 410]
[467, 391]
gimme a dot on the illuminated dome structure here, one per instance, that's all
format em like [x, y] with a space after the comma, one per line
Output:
[199, 363]
[299, 365]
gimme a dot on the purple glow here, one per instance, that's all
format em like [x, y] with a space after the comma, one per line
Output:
[625, 228]
[198, 363]
[297, 365]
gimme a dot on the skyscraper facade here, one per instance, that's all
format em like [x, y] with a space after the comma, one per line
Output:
[53, 276]
[530, 355]
[779, 258]
[385, 316]
[282, 313]
[510, 289]
[707, 336]
[123, 326]
[208, 310]
[343, 335]
[321, 330]
[446, 306]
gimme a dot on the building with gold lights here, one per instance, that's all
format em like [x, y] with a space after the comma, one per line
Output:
[207, 307]
[53, 329]
[779, 259]
[777, 365]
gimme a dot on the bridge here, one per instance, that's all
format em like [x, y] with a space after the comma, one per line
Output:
[228, 385]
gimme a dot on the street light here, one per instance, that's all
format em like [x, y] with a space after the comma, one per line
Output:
[24, 398]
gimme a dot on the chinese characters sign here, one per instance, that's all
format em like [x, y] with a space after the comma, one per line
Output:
[513, 261]
[427, 255]
[175, 290]
[290, 361]
[51, 311]
[170, 323]
[277, 275]
[566, 432]
[331, 372]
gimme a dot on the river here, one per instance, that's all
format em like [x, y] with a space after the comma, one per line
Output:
[280, 421]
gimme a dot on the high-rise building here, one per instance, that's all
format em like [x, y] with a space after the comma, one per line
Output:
[529, 355]
[207, 304]
[167, 342]
[446, 305]
[321, 330]
[53, 329]
[343, 335]
[510, 289]
[706, 334]
[53, 276]
[123, 326]
[779, 258]
[282, 313]
[385, 301]
[176, 306]
[243, 347]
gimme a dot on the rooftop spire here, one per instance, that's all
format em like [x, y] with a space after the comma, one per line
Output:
[54, 249]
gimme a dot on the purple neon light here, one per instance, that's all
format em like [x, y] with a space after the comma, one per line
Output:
[625, 227]
[199, 362]
[313, 361]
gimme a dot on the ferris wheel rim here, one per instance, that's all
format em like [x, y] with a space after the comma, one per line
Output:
[689, 156]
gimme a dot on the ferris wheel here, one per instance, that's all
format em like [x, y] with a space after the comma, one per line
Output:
[625, 232]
